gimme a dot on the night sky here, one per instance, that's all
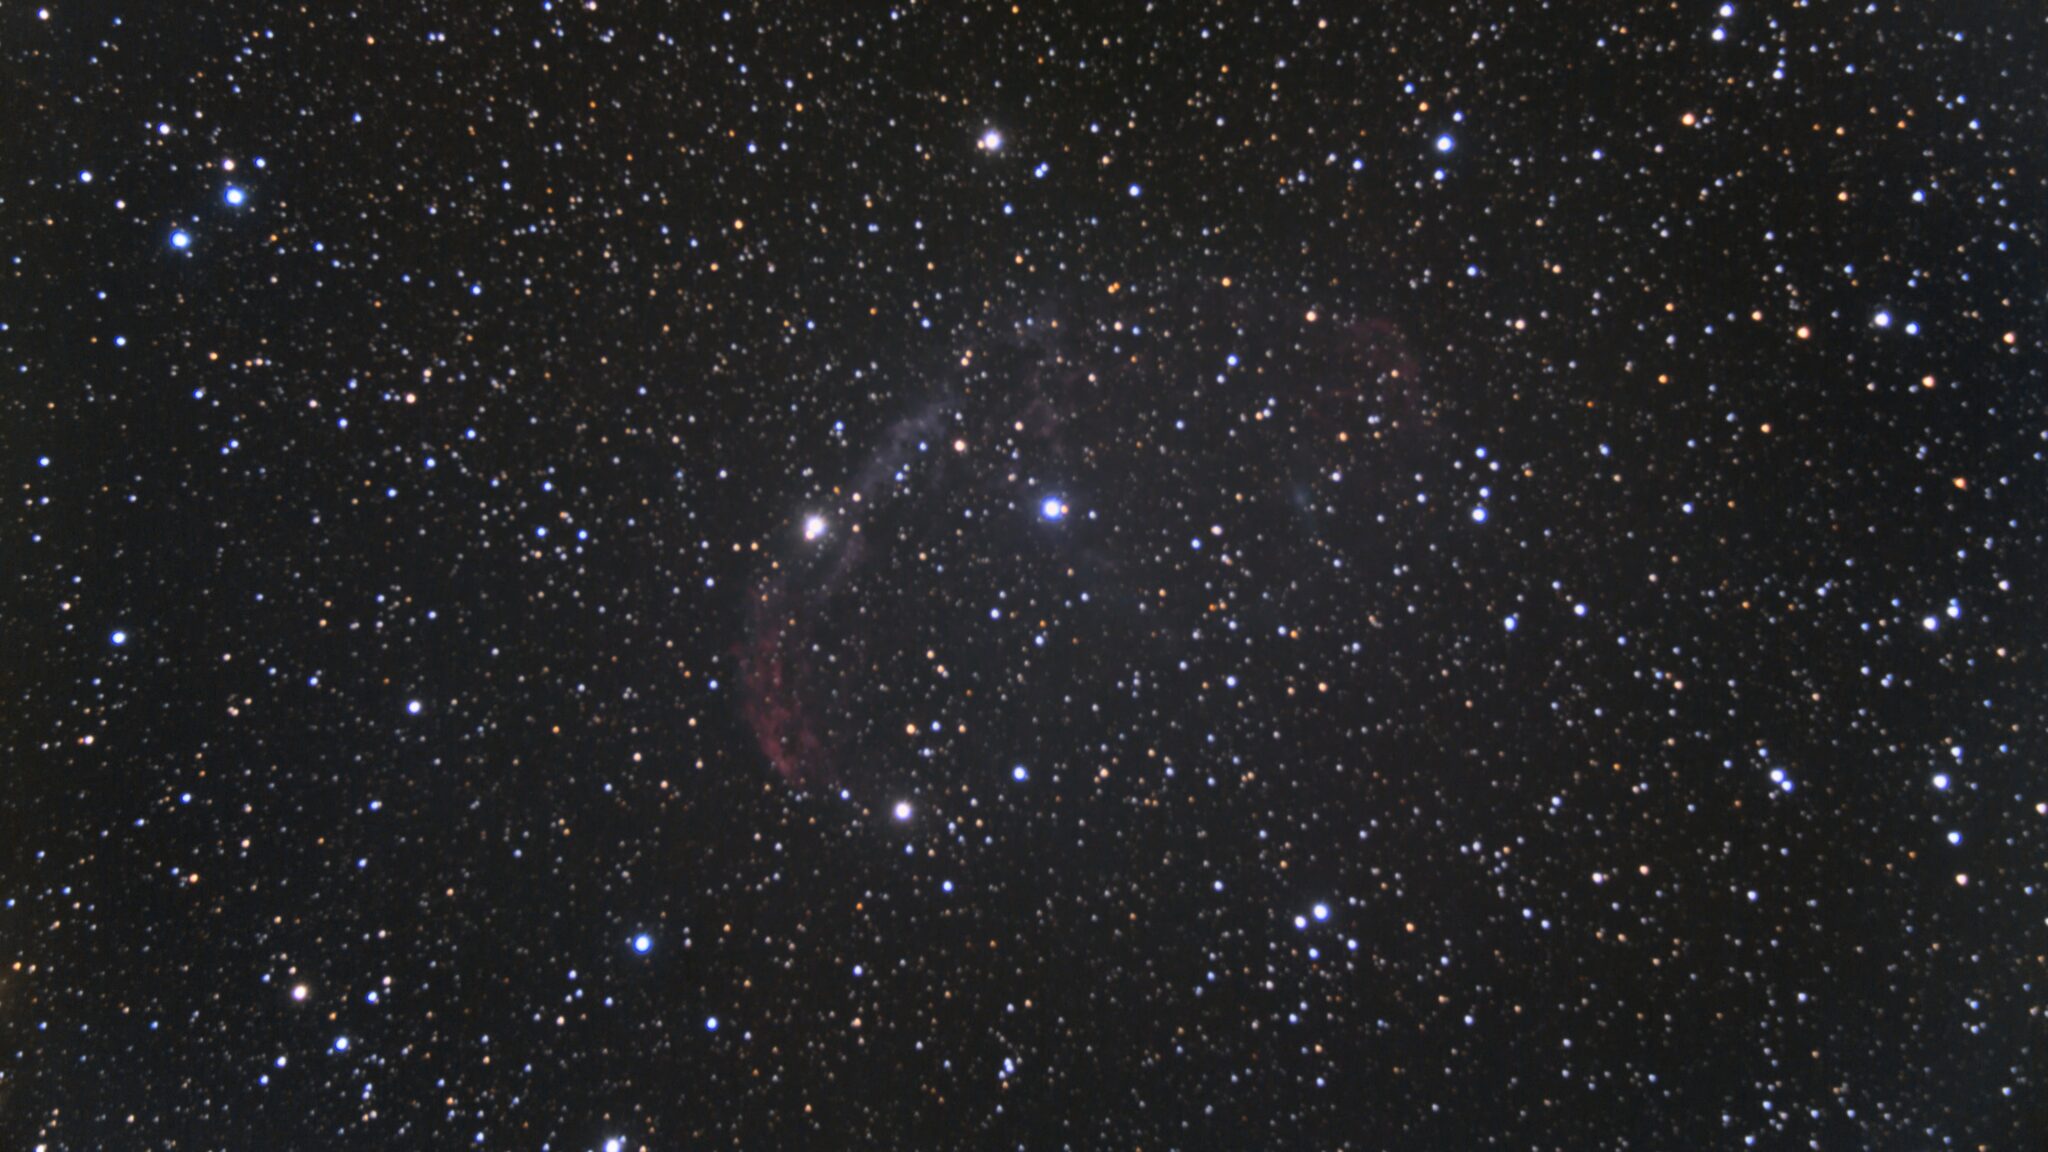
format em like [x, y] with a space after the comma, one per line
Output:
[593, 576]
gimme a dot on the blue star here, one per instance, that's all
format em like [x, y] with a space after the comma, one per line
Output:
[181, 239]
[234, 196]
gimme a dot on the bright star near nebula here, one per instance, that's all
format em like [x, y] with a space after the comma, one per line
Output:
[1052, 508]
[814, 527]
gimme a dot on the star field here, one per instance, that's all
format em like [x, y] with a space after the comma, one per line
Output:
[589, 575]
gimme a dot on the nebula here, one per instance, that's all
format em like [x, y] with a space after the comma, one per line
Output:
[890, 654]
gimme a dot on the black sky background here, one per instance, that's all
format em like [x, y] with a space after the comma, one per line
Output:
[543, 331]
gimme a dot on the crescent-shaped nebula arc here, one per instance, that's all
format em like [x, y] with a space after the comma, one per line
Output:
[888, 647]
